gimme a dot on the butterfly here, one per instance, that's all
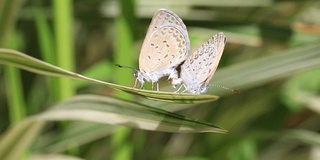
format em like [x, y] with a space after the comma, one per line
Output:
[199, 67]
[165, 46]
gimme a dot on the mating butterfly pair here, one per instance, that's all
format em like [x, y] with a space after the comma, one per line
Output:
[167, 45]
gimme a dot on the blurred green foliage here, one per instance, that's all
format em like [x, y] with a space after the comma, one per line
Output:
[272, 118]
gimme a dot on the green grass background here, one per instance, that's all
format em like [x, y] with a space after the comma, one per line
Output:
[276, 115]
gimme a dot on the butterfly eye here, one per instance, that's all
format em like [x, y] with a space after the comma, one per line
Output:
[135, 74]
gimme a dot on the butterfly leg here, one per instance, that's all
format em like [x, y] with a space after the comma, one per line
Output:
[142, 83]
[185, 88]
[139, 78]
[178, 89]
[135, 83]
[158, 86]
[174, 79]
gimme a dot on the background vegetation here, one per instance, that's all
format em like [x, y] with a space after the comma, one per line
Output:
[272, 56]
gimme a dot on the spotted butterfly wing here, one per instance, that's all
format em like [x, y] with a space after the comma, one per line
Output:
[165, 46]
[199, 67]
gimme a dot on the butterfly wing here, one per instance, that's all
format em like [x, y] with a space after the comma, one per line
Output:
[199, 67]
[166, 44]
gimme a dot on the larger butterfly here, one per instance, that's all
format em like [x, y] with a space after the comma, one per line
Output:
[199, 67]
[165, 46]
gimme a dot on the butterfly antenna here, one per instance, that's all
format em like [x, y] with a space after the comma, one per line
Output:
[135, 71]
[226, 88]
[121, 66]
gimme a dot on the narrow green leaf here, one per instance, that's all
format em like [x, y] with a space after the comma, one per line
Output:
[64, 40]
[99, 109]
[266, 69]
[17, 109]
[255, 72]
[77, 134]
[15, 141]
[305, 136]
[113, 111]
[23, 61]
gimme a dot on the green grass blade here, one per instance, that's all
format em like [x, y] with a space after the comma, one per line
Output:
[77, 133]
[124, 42]
[46, 44]
[23, 61]
[113, 111]
[99, 109]
[265, 69]
[305, 136]
[15, 94]
[63, 17]
[17, 139]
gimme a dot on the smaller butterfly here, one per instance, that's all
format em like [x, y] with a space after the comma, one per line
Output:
[198, 69]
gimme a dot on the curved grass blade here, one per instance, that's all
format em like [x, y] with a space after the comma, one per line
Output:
[80, 132]
[23, 61]
[19, 137]
[172, 97]
[98, 109]
[269, 68]
[114, 111]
